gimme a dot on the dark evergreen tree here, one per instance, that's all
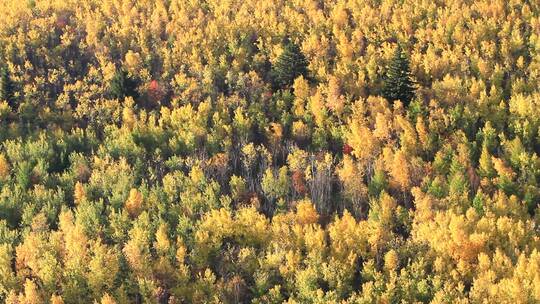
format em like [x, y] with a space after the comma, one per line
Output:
[6, 87]
[122, 85]
[398, 82]
[291, 64]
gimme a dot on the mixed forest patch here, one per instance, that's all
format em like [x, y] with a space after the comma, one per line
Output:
[284, 151]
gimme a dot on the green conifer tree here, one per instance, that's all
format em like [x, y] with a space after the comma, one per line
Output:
[398, 82]
[122, 85]
[6, 87]
[290, 65]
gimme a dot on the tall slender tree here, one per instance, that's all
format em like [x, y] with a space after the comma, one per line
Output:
[6, 87]
[398, 81]
[122, 85]
[291, 64]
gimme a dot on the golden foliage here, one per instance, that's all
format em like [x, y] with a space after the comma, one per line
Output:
[134, 203]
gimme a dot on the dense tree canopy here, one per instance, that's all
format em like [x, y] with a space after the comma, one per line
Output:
[253, 151]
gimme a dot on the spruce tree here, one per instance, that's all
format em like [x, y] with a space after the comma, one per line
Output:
[122, 85]
[398, 82]
[6, 87]
[289, 65]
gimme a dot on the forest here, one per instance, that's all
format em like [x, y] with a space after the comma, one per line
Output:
[269, 151]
